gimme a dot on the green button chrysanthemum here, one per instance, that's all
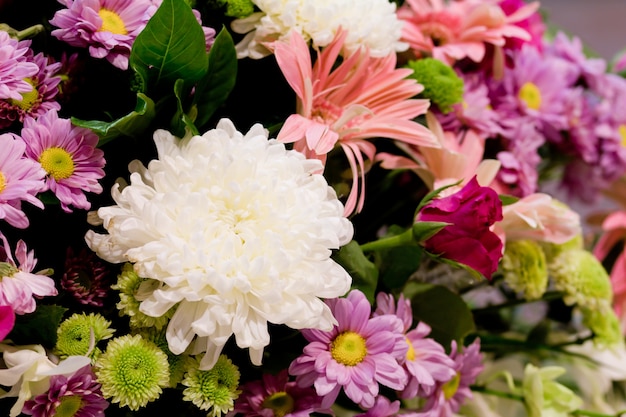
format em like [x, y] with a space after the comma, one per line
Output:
[214, 390]
[178, 363]
[79, 334]
[441, 84]
[524, 268]
[133, 371]
[605, 326]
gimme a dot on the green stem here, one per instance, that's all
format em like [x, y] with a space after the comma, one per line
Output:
[501, 394]
[403, 239]
[29, 32]
[595, 414]
[548, 296]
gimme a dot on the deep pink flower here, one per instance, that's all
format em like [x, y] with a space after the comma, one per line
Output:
[276, 396]
[85, 277]
[7, 321]
[357, 355]
[81, 390]
[20, 180]
[107, 27]
[69, 156]
[468, 239]
[346, 104]
[18, 284]
[533, 24]
[14, 68]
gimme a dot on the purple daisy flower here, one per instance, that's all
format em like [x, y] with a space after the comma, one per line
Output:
[78, 395]
[276, 396]
[426, 362]
[40, 98]
[69, 156]
[448, 397]
[357, 354]
[14, 68]
[572, 51]
[85, 278]
[107, 27]
[20, 180]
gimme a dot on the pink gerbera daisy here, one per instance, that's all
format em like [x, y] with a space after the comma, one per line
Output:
[14, 68]
[107, 27]
[79, 395]
[356, 355]
[69, 156]
[18, 285]
[20, 180]
[359, 99]
[40, 98]
[276, 396]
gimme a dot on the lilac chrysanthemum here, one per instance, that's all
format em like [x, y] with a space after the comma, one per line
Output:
[69, 156]
[276, 396]
[78, 395]
[425, 362]
[448, 397]
[18, 284]
[357, 354]
[20, 180]
[85, 278]
[107, 27]
[14, 68]
[40, 98]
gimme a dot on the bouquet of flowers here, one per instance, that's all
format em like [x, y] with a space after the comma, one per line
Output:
[308, 207]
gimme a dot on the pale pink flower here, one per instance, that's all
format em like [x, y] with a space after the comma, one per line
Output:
[450, 31]
[18, 284]
[69, 156]
[20, 180]
[360, 99]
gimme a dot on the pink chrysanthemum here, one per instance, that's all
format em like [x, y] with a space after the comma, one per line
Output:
[85, 278]
[107, 27]
[18, 285]
[383, 407]
[14, 68]
[357, 355]
[276, 396]
[79, 395]
[448, 397]
[20, 180]
[361, 98]
[40, 98]
[425, 362]
[69, 156]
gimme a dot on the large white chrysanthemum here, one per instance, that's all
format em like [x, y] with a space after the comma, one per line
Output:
[371, 23]
[236, 231]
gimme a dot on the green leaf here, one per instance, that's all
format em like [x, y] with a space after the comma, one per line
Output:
[131, 125]
[38, 327]
[171, 47]
[444, 311]
[398, 264]
[363, 272]
[424, 230]
[508, 199]
[181, 120]
[214, 88]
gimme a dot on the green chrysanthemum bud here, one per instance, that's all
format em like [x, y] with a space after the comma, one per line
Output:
[552, 250]
[129, 284]
[215, 389]
[524, 268]
[132, 371]
[582, 278]
[234, 8]
[605, 326]
[441, 84]
[178, 363]
[79, 334]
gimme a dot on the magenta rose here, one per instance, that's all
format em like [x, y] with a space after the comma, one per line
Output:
[467, 239]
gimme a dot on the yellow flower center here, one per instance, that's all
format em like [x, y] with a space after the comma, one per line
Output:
[3, 182]
[348, 348]
[622, 133]
[410, 354]
[69, 406]
[29, 98]
[530, 94]
[112, 22]
[280, 403]
[451, 387]
[57, 162]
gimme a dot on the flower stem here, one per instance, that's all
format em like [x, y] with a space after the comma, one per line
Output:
[548, 296]
[403, 239]
[29, 32]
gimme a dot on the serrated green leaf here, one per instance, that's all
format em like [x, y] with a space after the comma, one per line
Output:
[131, 125]
[38, 327]
[181, 120]
[213, 89]
[171, 47]
[363, 272]
[424, 230]
[444, 311]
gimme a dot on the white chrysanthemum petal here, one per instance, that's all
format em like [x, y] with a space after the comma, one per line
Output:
[236, 230]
